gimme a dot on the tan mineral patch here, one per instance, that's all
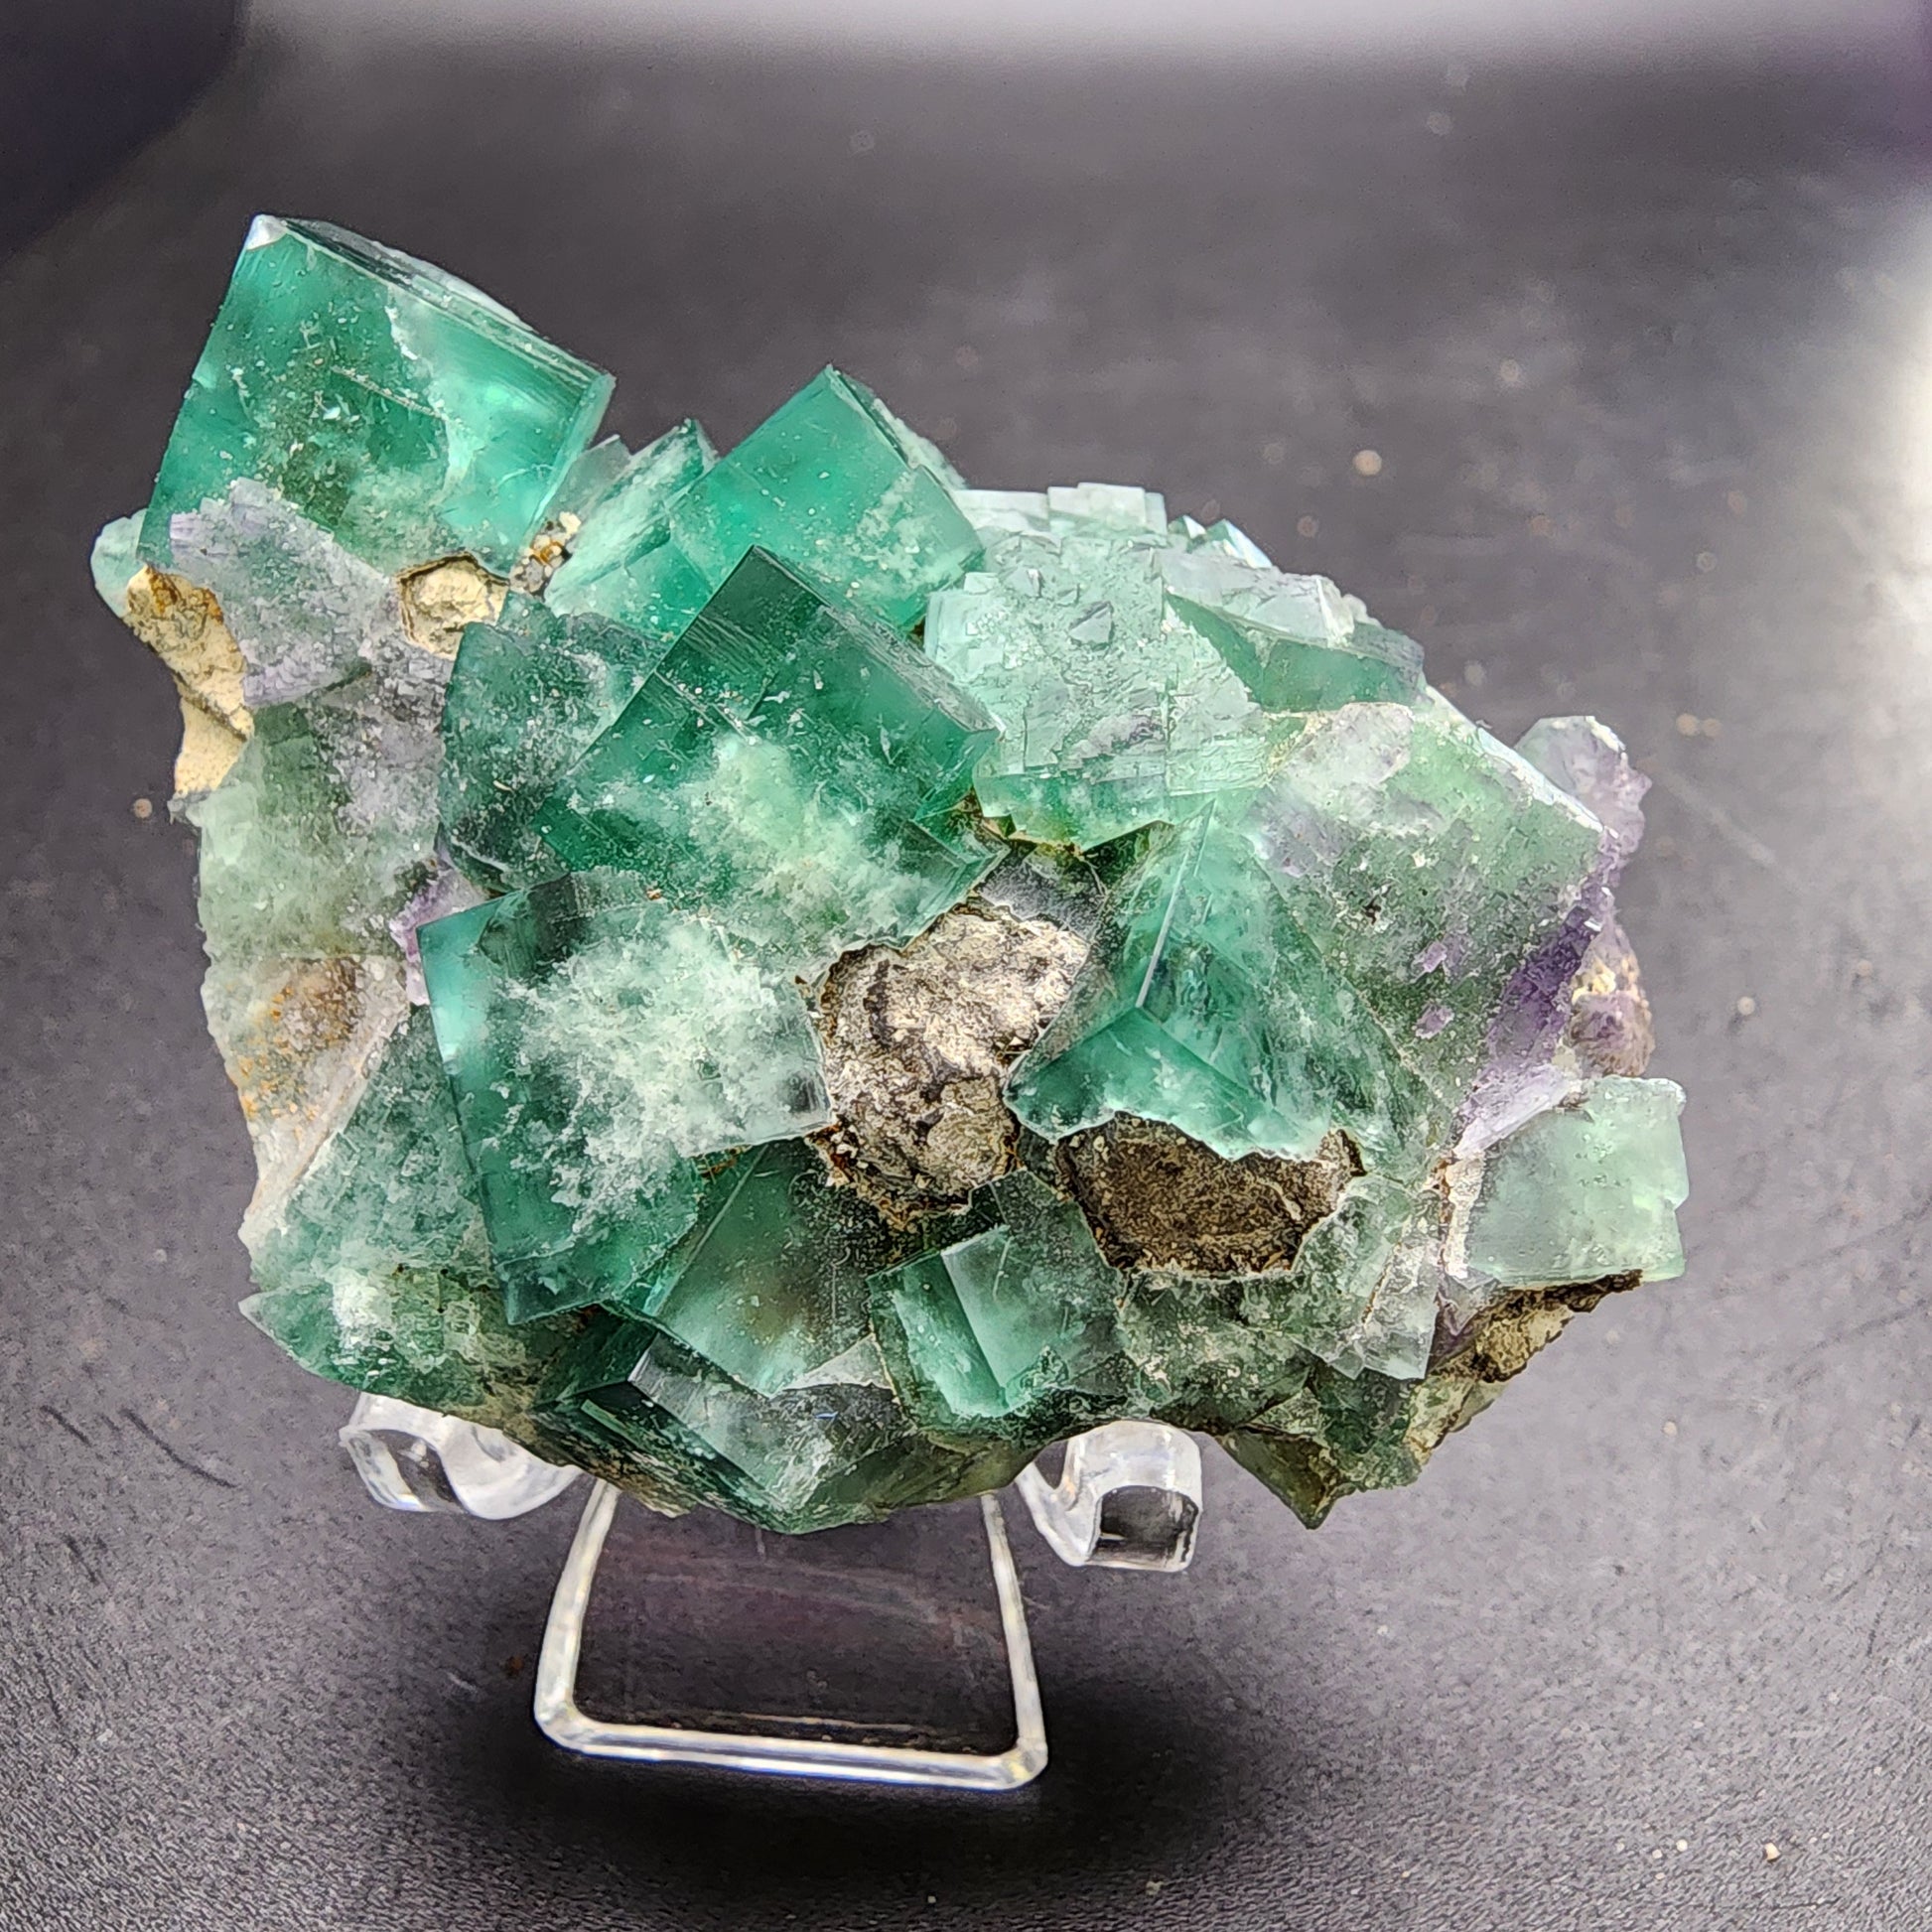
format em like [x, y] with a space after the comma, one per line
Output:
[297, 1037]
[1610, 1029]
[440, 599]
[183, 626]
[208, 750]
[548, 548]
[1505, 1342]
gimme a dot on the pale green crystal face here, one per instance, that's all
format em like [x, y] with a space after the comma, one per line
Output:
[623, 563]
[390, 404]
[1113, 714]
[1137, 673]
[910, 970]
[1588, 1191]
[327, 822]
[660, 1419]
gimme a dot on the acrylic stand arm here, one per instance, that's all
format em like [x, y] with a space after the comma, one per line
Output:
[1128, 1496]
[417, 1459]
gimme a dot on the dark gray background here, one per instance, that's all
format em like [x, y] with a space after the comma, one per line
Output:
[84, 82]
[1648, 359]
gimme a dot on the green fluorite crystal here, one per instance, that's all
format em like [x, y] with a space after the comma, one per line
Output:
[393, 405]
[606, 1050]
[1208, 1005]
[1426, 863]
[624, 563]
[527, 693]
[1013, 1324]
[792, 983]
[650, 1414]
[314, 840]
[833, 484]
[1136, 671]
[791, 767]
[1584, 1191]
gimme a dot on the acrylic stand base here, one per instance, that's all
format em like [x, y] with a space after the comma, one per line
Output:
[810, 1756]
[875, 1654]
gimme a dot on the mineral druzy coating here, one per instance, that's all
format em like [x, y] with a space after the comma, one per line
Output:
[793, 983]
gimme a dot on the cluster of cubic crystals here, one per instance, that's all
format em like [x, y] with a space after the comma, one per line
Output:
[792, 984]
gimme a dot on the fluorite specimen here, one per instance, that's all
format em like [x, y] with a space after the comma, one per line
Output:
[793, 983]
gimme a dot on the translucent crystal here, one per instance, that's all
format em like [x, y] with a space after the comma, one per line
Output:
[769, 1284]
[1583, 1191]
[1362, 1289]
[790, 767]
[1222, 538]
[1587, 761]
[323, 829]
[623, 563]
[604, 1048]
[827, 485]
[1011, 1325]
[1110, 716]
[389, 403]
[1208, 1005]
[299, 606]
[114, 559]
[1132, 680]
[830, 1452]
[833, 484]
[1295, 642]
[526, 695]
[1425, 863]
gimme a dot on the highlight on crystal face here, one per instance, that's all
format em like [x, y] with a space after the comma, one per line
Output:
[793, 983]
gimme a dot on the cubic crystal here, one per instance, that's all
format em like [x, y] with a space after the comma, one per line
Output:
[791, 767]
[1583, 1191]
[605, 1049]
[833, 484]
[527, 694]
[403, 412]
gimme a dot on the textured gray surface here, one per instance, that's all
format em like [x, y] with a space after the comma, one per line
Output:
[1648, 366]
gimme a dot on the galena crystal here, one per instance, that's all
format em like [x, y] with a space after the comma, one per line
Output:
[793, 983]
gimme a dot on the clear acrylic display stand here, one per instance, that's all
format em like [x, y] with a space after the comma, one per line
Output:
[887, 1653]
